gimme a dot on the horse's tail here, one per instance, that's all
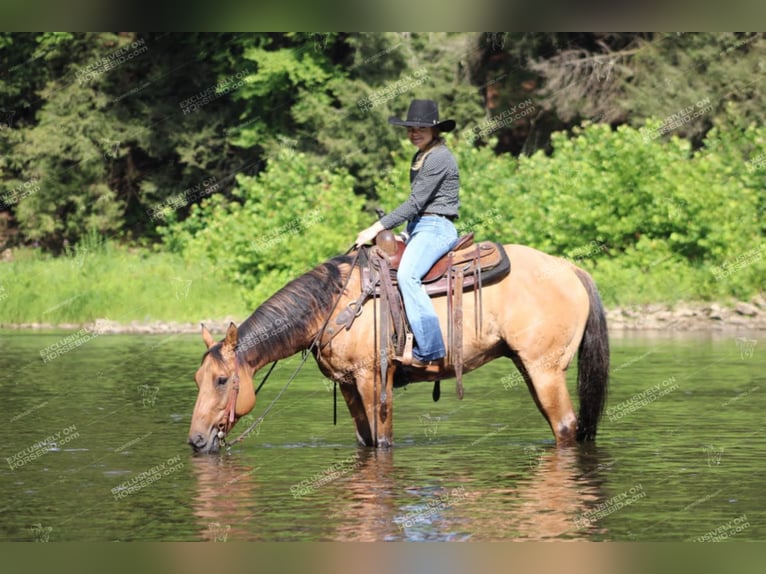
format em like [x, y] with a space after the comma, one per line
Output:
[592, 363]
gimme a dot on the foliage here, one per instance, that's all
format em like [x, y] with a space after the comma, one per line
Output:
[331, 97]
[100, 133]
[652, 219]
[676, 71]
[286, 220]
[630, 78]
[221, 146]
[108, 138]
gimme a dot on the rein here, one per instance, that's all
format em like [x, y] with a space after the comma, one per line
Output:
[259, 420]
[274, 364]
[233, 401]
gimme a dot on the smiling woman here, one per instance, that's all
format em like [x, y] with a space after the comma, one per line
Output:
[429, 212]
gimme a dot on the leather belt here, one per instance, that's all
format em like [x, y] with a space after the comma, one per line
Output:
[450, 217]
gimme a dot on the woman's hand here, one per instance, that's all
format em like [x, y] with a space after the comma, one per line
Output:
[368, 234]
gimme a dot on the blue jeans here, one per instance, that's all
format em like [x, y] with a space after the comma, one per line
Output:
[430, 238]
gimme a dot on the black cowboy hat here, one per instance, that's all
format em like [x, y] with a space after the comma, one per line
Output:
[423, 114]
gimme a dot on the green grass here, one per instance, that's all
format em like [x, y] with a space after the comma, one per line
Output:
[103, 280]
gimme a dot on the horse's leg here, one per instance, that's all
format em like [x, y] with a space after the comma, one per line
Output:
[549, 391]
[386, 413]
[358, 412]
[380, 413]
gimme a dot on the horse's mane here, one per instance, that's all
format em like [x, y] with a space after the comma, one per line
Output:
[286, 318]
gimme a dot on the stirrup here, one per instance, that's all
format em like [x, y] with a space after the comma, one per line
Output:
[406, 357]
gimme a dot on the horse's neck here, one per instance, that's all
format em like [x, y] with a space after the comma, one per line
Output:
[271, 340]
[263, 346]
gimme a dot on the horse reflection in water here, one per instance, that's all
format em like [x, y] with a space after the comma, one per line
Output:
[546, 505]
[546, 498]
[222, 485]
[369, 511]
[558, 488]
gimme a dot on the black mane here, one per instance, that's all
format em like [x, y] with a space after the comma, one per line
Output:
[285, 320]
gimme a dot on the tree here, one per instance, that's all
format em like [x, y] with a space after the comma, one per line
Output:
[122, 129]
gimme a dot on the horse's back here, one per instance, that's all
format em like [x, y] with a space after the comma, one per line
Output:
[538, 265]
[527, 255]
[542, 286]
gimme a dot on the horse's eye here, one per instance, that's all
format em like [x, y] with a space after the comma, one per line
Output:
[221, 381]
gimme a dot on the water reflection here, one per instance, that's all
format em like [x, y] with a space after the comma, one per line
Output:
[678, 475]
[543, 504]
[223, 488]
[368, 513]
[546, 499]
[560, 490]
[378, 502]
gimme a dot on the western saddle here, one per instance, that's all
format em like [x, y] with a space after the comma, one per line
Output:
[468, 266]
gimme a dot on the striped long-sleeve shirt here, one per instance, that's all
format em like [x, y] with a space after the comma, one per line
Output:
[435, 187]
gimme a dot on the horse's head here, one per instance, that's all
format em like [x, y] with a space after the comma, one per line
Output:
[225, 392]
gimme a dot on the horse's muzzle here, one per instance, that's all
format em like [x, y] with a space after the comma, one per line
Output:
[202, 444]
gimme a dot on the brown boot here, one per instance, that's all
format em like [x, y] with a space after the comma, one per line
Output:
[434, 366]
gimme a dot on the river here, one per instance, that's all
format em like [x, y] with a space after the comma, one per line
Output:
[96, 450]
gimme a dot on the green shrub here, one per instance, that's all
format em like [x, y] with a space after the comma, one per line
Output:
[652, 219]
[287, 220]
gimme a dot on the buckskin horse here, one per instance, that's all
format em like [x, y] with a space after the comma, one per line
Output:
[538, 315]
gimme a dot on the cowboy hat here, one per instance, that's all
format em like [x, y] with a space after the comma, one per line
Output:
[423, 114]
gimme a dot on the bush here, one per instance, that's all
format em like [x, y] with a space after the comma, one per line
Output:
[651, 219]
[288, 219]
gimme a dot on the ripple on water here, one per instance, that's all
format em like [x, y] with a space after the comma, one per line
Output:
[672, 467]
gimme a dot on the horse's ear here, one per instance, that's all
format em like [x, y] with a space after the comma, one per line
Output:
[231, 336]
[207, 337]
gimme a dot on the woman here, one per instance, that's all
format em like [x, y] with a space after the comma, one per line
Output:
[429, 210]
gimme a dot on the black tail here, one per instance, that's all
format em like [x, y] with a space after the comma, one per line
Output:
[592, 363]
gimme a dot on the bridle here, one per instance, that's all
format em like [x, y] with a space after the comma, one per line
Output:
[231, 405]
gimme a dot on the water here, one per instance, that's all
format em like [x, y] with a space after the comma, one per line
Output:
[679, 455]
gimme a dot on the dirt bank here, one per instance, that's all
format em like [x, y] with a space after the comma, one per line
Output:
[690, 316]
[743, 315]
[106, 326]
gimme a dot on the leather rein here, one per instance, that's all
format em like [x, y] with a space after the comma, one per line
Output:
[231, 405]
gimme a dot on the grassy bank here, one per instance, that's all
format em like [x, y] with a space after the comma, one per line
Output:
[103, 280]
[107, 281]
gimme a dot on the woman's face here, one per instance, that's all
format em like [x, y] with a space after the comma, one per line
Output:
[421, 137]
